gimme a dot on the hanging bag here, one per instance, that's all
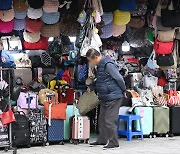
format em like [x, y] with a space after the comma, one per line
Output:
[170, 18]
[166, 36]
[7, 117]
[55, 110]
[163, 47]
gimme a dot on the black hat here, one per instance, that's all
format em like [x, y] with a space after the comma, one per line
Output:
[36, 4]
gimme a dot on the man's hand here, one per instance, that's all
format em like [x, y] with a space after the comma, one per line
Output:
[125, 95]
[88, 90]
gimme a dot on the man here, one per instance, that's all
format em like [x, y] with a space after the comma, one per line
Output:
[110, 88]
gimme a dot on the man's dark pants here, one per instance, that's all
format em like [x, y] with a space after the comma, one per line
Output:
[108, 122]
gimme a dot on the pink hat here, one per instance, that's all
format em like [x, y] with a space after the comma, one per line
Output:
[51, 6]
[6, 27]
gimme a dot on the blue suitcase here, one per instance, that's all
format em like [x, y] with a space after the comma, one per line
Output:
[147, 119]
[55, 131]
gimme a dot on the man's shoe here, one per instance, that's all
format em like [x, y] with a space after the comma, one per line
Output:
[110, 147]
[96, 143]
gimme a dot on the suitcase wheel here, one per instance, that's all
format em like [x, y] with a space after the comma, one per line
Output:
[87, 141]
[154, 136]
[150, 136]
[15, 151]
[61, 143]
[47, 144]
[76, 142]
[6, 149]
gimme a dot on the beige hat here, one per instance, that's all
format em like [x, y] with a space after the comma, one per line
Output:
[7, 15]
[31, 37]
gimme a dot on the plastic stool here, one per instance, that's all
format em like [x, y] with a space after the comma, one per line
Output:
[128, 132]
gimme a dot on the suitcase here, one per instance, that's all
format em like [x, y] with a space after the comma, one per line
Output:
[147, 119]
[4, 140]
[174, 120]
[80, 129]
[161, 120]
[55, 131]
[69, 113]
[25, 74]
[66, 95]
[38, 131]
[123, 111]
[20, 131]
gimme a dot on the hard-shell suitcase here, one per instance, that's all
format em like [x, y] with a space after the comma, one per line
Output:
[66, 95]
[20, 131]
[174, 120]
[147, 119]
[38, 131]
[69, 113]
[80, 129]
[161, 120]
[55, 131]
[123, 111]
[4, 141]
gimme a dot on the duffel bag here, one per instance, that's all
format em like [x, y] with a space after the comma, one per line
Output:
[163, 47]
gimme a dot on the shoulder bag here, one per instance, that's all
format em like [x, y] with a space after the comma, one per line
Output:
[166, 36]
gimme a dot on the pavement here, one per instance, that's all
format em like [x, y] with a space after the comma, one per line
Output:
[147, 146]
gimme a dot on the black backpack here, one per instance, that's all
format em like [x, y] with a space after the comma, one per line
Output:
[20, 131]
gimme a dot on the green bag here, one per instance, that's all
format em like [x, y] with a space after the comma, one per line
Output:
[87, 102]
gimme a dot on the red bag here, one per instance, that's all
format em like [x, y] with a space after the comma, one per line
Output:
[42, 44]
[7, 117]
[173, 98]
[66, 95]
[162, 81]
[163, 48]
[67, 76]
[55, 111]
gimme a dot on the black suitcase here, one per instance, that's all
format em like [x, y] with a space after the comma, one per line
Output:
[20, 131]
[174, 120]
[38, 130]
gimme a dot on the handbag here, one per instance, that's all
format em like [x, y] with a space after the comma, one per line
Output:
[149, 80]
[55, 110]
[166, 36]
[97, 5]
[152, 63]
[162, 4]
[170, 18]
[163, 48]
[11, 43]
[165, 60]
[7, 117]
[160, 100]
[87, 102]
[146, 96]
[133, 65]
[159, 25]
[173, 98]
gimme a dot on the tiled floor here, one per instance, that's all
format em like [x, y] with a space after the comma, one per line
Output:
[148, 146]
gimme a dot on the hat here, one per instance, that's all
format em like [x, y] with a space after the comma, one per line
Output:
[50, 18]
[107, 17]
[42, 44]
[34, 13]
[118, 30]
[6, 27]
[20, 14]
[121, 17]
[51, 6]
[6, 15]
[5, 4]
[20, 5]
[50, 30]
[31, 37]
[19, 24]
[36, 4]
[33, 25]
[107, 31]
